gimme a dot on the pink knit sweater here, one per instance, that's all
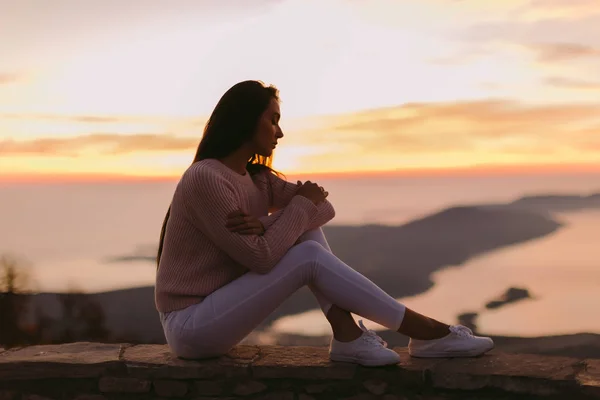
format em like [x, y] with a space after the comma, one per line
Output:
[200, 254]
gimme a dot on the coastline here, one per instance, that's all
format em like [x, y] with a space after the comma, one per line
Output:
[441, 240]
[426, 245]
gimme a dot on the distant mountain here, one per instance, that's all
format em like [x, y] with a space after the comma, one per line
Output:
[400, 259]
[555, 203]
[450, 218]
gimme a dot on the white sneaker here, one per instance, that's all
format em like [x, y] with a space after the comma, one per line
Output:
[460, 342]
[368, 350]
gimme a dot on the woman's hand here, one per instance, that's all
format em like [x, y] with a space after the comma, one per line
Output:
[312, 191]
[243, 223]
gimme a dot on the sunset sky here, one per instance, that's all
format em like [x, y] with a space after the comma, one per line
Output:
[108, 87]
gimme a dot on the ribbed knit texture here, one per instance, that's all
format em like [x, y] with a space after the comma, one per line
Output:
[200, 254]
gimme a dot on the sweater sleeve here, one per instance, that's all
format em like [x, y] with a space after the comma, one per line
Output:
[282, 192]
[208, 198]
[325, 213]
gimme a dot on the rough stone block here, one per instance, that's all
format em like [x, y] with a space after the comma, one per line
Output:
[35, 397]
[90, 397]
[362, 396]
[214, 398]
[170, 388]
[111, 384]
[375, 386]
[77, 370]
[157, 361]
[411, 372]
[276, 396]
[246, 388]
[299, 363]
[210, 388]
[393, 397]
[316, 388]
[333, 388]
[589, 377]
[8, 395]
[514, 373]
[71, 360]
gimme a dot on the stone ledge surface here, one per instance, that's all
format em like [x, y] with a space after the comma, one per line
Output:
[104, 371]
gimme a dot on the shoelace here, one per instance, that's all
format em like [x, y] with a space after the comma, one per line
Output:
[371, 336]
[461, 330]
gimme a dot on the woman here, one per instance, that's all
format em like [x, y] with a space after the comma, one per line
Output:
[224, 263]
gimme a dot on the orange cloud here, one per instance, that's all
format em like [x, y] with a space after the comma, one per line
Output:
[570, 83]
[99, 143]
[554, 52]
[104, 119]
[7, 77]
[411, 137]
[443, 126]
[566, 6]
[94, 119]
[560, 33]
[462, 57]
[449, 135]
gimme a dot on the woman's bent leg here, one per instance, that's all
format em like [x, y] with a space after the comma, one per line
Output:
[229, 314]
[318, 236]
[433, 338]
[342, 323]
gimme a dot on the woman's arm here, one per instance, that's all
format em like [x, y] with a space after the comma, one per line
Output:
[281, 192]
[209, 198]
[325, 213]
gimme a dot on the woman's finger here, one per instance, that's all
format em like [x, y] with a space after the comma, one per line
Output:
[235, 221]
[239, 224]
[247, 225]
[235, 214]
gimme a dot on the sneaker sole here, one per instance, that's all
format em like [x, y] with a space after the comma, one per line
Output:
[365, 363]
[450, 354]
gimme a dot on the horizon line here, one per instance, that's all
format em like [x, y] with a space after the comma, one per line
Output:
[470, 171]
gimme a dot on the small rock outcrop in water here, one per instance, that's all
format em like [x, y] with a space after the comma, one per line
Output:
[510, 296]
[469, 320]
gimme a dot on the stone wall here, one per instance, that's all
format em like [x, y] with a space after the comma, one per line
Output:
[94, 371]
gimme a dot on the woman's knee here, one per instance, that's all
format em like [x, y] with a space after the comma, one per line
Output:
[313, 234]
[309, 250]
[301, 261]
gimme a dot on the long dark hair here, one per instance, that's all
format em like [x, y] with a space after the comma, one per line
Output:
[232, 123]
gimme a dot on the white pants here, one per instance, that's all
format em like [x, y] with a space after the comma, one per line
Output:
[225, 317]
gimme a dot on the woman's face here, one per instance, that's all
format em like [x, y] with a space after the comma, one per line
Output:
[268, 131]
